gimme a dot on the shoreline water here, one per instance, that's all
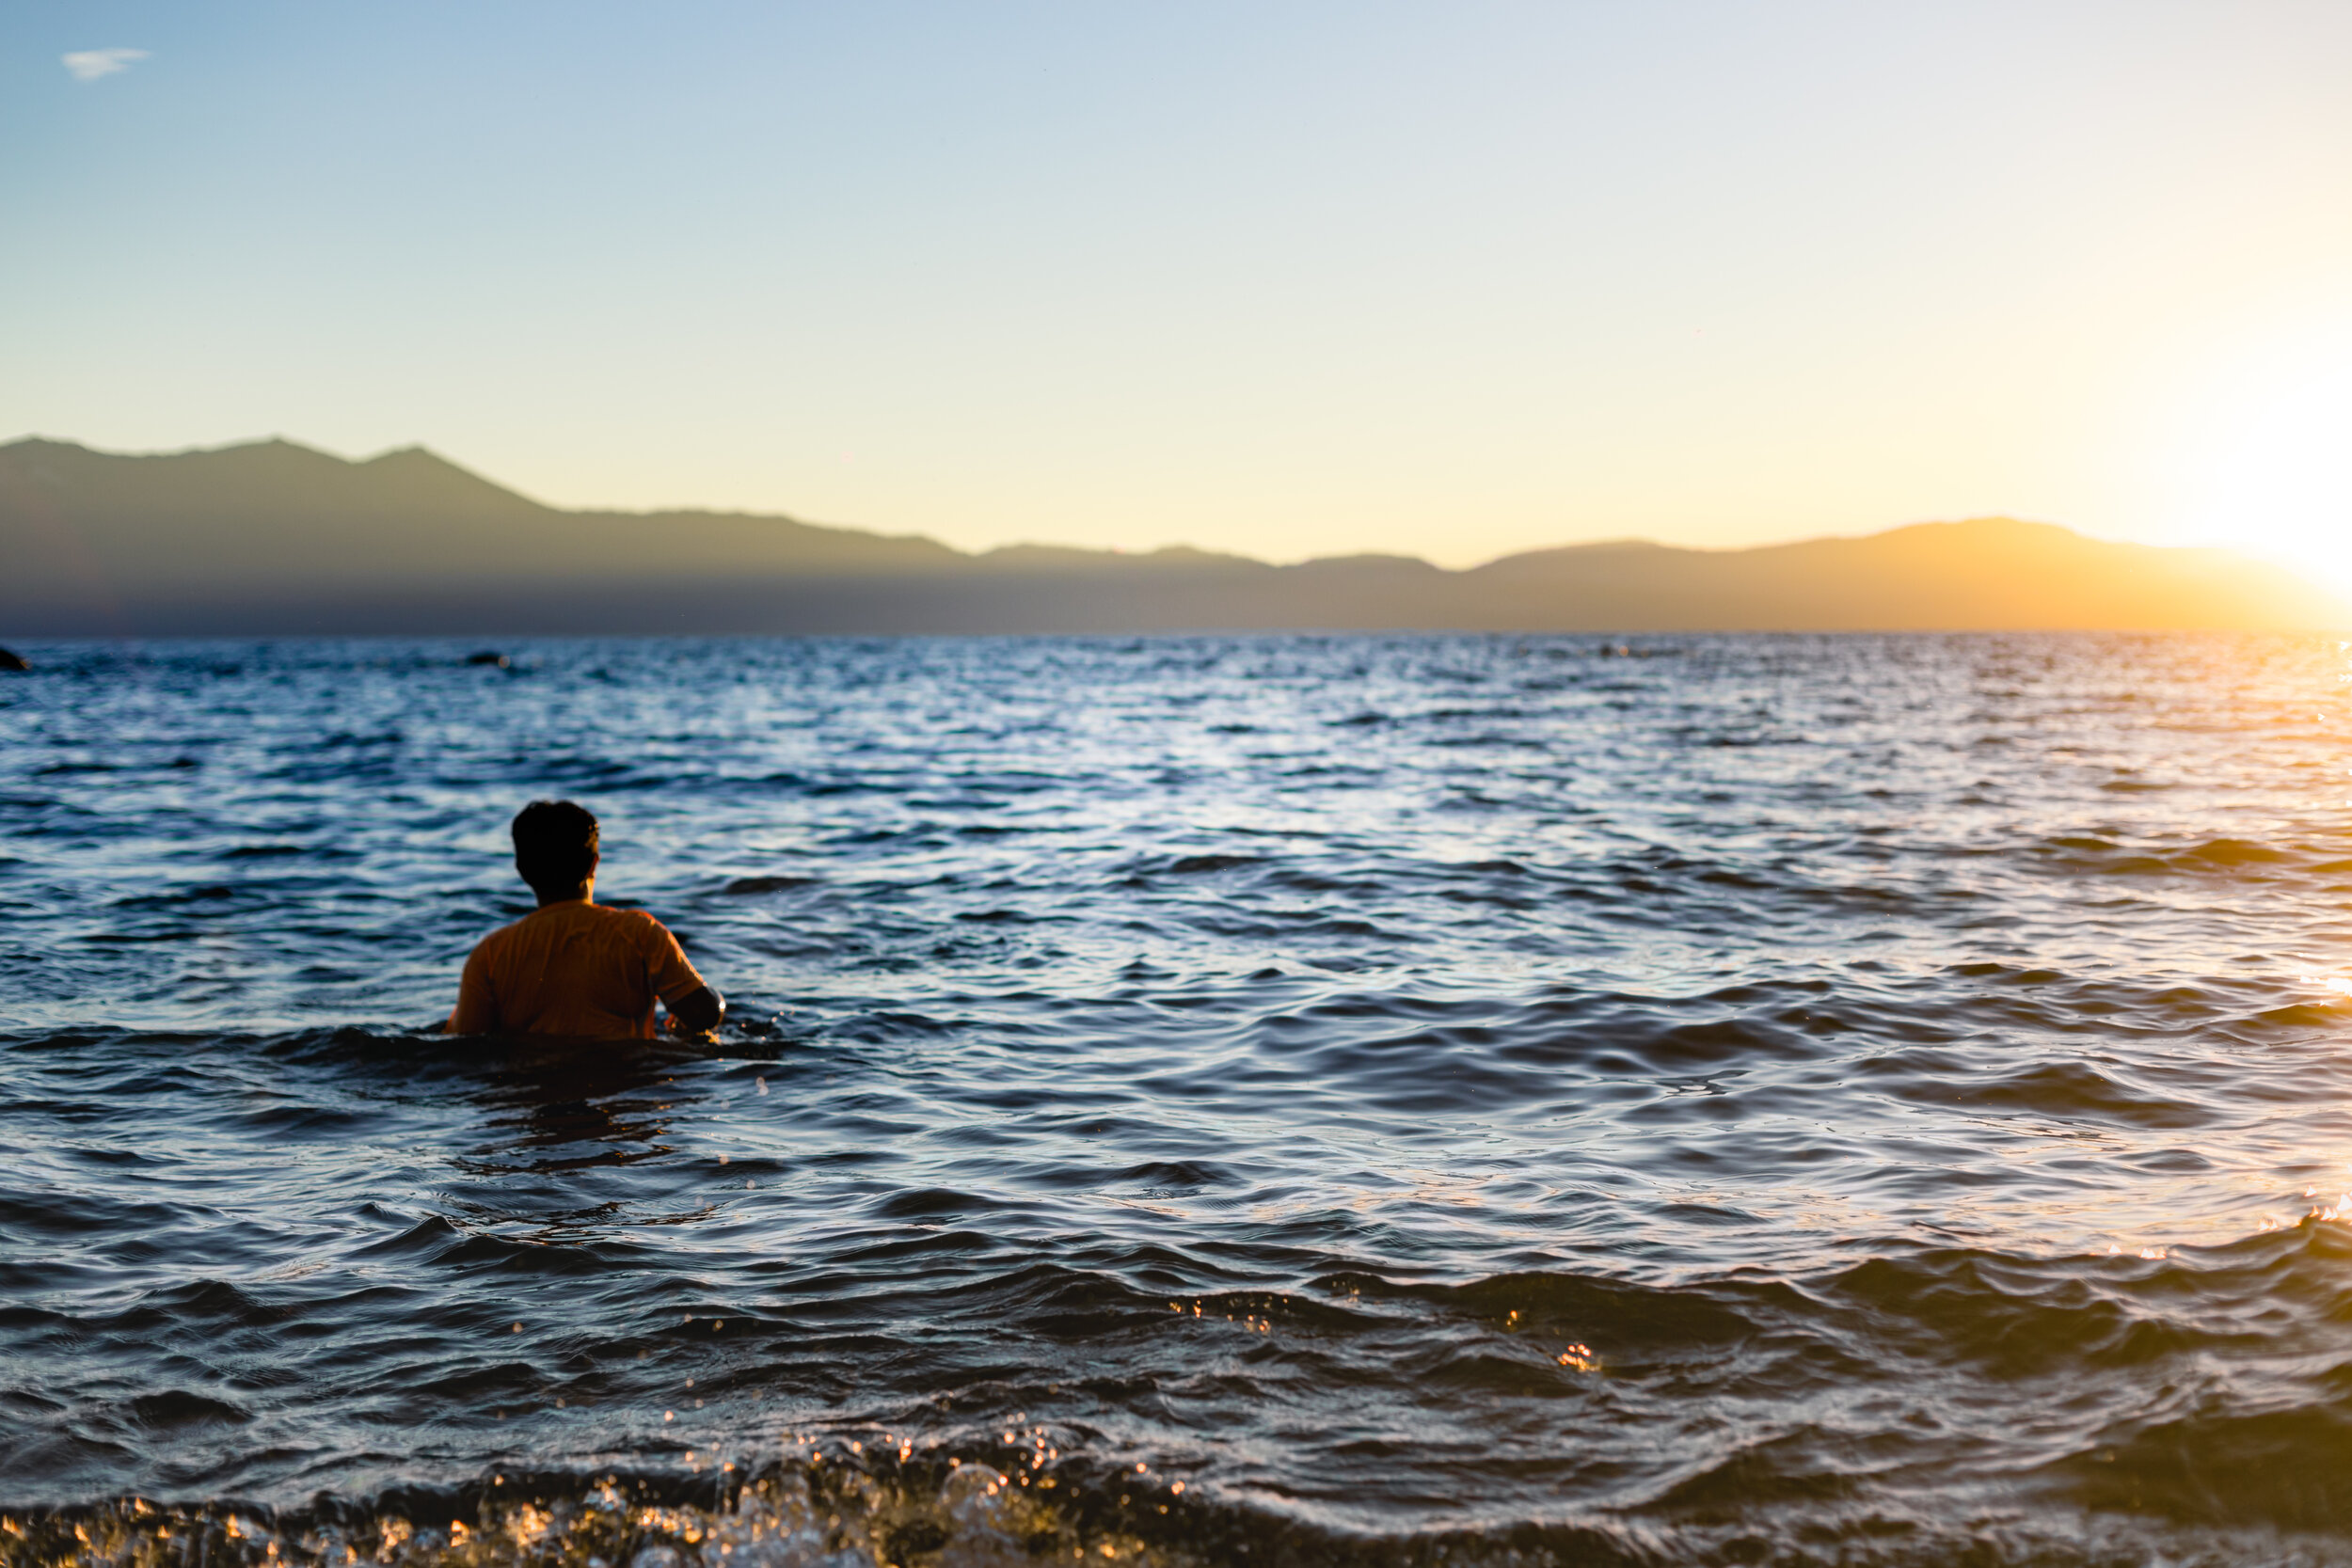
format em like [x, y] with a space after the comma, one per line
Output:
[1782, 1099]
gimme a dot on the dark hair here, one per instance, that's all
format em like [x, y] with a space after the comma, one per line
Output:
[555, 844]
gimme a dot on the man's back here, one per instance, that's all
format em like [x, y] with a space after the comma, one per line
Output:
[573, 968]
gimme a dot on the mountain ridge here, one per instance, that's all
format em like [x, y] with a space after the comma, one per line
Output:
[275, 535]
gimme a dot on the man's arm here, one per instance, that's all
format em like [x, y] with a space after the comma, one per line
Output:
[477, 1011]
[697, 1012]
[694, 1007]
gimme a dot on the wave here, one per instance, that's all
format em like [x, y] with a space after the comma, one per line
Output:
[1444, 1100]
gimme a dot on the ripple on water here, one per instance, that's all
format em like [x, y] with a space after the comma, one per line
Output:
[1431, 1099]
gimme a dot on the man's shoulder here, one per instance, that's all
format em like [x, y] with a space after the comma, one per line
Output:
[638, 922]
[630, 923]
[503, 935]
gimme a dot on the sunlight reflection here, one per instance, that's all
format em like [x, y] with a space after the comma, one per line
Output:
[2338, 987]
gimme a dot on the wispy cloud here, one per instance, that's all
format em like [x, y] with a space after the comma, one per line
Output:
[89, 65]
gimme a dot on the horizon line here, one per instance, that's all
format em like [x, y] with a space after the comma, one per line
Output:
[278, 439]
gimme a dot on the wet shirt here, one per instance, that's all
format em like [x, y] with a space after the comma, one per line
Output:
[573, 968]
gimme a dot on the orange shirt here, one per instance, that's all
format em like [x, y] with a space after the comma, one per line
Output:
[574, 968]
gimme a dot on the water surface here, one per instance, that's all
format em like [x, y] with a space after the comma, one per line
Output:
[1210, 1100]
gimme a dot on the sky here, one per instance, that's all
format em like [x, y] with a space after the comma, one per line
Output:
[1285, 279]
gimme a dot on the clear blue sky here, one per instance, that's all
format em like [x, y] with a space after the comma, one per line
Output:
[1289, 278]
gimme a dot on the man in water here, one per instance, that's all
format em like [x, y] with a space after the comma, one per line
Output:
[574, 966]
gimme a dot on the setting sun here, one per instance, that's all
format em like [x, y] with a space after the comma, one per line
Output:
[2272, 472]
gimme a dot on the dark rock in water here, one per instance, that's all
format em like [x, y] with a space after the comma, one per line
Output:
[12, 661]
[487, 657]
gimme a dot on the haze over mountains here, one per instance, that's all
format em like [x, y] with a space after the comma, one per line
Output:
[276, 538]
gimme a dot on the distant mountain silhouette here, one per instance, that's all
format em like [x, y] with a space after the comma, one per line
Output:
[273, 537]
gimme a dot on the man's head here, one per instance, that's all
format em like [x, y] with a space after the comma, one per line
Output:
[555, 847]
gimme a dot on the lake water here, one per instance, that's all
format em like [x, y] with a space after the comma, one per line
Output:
[1214, 1100]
